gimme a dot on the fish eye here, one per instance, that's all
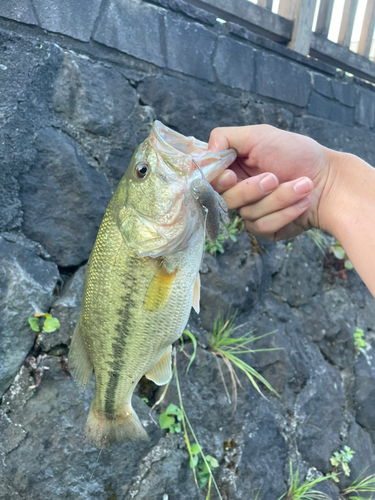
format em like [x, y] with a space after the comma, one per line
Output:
[141, 170]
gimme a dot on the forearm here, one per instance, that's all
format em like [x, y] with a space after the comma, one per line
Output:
[348, 212]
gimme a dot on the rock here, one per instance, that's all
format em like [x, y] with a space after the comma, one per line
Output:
[229, 283]
[27, 284]
[190, 10]
[364, 391]
[63, 199]
[182, 39]
[322, 85]
[365, 110]
[295, 283]
[71, 18]
[344, 92]
[242, 73]
[19, 10]
[282, 80]
[93, 97]
[318, 415]
[119, 27]
[188, 107]
[66, 309]
[264, 112]
[329, 109]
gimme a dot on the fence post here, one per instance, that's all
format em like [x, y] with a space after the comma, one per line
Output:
[324, 17]
[347, 22]
[267, 4]
[302, 13]
[367, 32]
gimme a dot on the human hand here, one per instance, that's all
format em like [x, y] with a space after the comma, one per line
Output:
[277, 182]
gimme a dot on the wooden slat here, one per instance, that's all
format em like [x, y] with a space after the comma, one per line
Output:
[341, 57]
[347, 22]
[249, 15]
[301, 12]
[324, 17]
[266, 4]
[367, 32]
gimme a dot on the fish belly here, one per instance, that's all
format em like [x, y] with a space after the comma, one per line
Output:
[133, 310]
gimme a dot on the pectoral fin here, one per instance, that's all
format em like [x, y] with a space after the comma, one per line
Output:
[162, 371]
[159, 289]
[197, 294]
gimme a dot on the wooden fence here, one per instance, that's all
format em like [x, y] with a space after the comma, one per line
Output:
[293, 26]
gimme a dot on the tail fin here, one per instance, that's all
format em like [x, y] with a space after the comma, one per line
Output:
[80, 365]
[103, 431]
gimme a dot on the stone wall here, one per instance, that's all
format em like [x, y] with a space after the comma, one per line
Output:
[81, 83]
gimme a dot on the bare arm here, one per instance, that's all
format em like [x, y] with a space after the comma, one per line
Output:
[313, 186]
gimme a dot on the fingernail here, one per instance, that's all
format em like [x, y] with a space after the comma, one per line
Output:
[268, 183]
[227, 179]
[305, 202]
[303, 186]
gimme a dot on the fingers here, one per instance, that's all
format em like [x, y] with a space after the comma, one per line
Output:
[224, 181]
[278, 225]
[288, 194]
[243, 139]
[250, 190]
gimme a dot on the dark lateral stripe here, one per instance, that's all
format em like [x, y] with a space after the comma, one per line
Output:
[123, 328]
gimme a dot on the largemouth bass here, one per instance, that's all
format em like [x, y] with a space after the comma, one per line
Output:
[142, 277]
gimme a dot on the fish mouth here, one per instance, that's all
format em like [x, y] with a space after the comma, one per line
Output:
[178, 151]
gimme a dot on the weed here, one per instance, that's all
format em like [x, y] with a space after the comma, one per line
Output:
[171, 419]
[204, 471]
[50, 324]
[319, 239]
[229, 348]
[341, 459]
[305, 490]
[358, 486]
[340, 254]
[233, 229]
[194, 342]
[360, 343]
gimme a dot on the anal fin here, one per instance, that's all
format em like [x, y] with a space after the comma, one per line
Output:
[197, 294]
[162, 371]
[80, 365]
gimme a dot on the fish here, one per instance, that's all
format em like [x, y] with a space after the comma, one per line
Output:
[142, 276]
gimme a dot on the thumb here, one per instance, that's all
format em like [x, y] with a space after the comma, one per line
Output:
[243, 139]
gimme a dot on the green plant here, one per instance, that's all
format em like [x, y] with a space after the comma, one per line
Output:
[194, 342]
[233, 228]
[304, 490]
[319, 239]
[358, 486]
[341, 459]
[50, 324]
[229, 348]
[171, 419]
[360, 343]
[340, 254]
[204, 466]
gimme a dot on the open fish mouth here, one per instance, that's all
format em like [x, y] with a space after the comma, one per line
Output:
[178, 151]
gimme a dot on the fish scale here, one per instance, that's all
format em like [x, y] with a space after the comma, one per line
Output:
[140, 283]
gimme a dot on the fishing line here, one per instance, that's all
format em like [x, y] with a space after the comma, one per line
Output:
[96, 463]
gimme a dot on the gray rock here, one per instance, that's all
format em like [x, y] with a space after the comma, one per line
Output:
[364, 391]
[329, 109]
[365, 110]
[295, 283]
[92, 97]
[264, 112]
[188, 107]
[188, 9]
[282, 80]
[344, 92]
[27, 285]
[66, 309]
[18, 10]
[75, 19]
[322, 85]
[318, 418]
[229, 283]
[119, 27]
[241, 73]
[182, 42]
[63, 199]
[358, 141]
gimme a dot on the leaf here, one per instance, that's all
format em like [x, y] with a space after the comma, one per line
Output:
[195, 449]
[40, 315]
[212, 461]
[348, 265]
[34, 324]
[177, 428]
[173, 410]
[51, 324]
[165, 421]
[193, 461]
[194, 341]
[338, 252]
